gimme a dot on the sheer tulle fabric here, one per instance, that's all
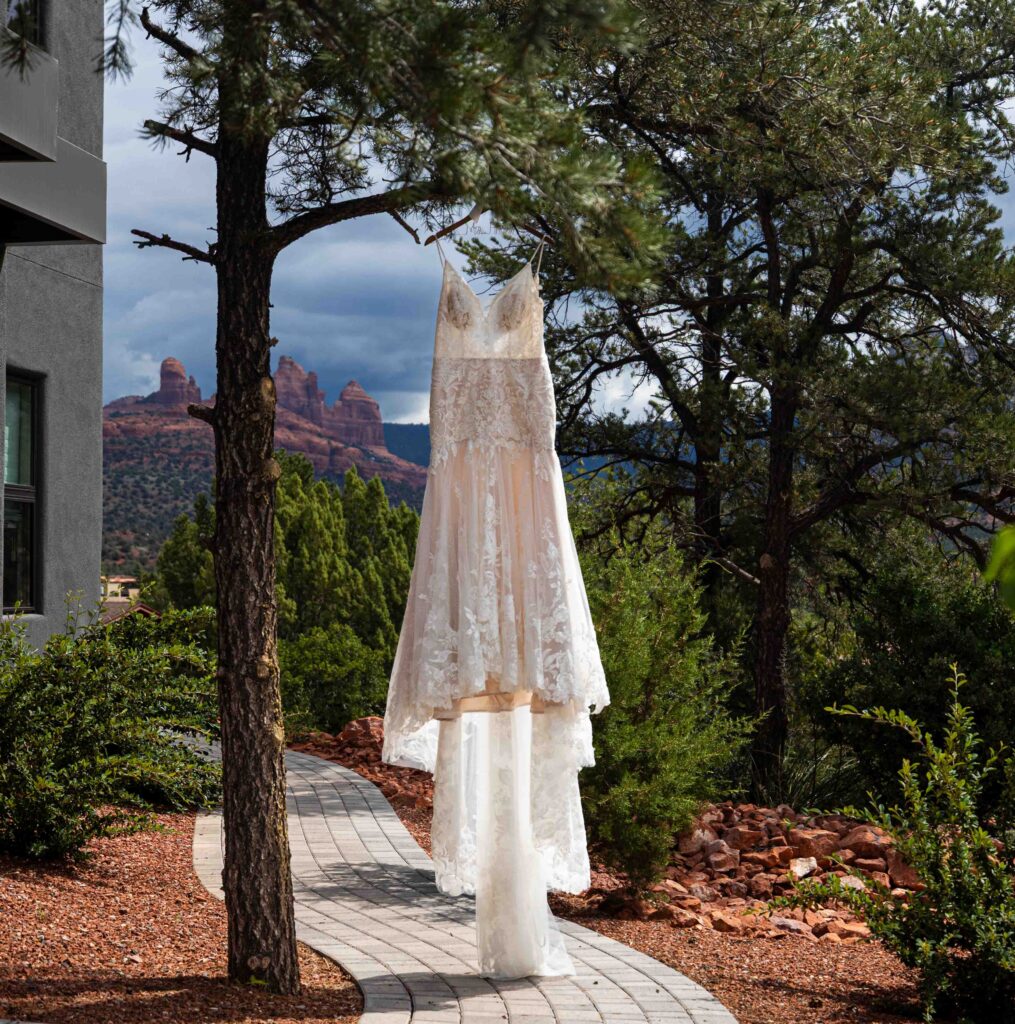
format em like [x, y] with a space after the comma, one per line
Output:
[497, 603]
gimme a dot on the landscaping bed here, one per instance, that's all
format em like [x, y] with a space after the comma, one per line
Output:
[132, 936]
[708, 918]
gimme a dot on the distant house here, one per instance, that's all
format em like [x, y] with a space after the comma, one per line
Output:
[121, 595]
[52, 224]
[119, 609]
[120, 588]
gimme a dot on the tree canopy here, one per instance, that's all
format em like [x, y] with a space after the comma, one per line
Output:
[827, 344]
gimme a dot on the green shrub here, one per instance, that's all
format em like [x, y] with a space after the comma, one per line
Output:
[666, 739]
[959, 931]
[90, 729]
[1001, 569]
[330, 677]
[917, 613]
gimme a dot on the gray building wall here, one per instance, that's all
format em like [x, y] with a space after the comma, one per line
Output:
[51, 327]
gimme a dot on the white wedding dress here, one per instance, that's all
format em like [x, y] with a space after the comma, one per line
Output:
[497, 664]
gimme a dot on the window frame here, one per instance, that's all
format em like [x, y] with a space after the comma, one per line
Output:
[28, 493]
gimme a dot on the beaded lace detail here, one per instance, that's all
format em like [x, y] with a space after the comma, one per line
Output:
[489, 403]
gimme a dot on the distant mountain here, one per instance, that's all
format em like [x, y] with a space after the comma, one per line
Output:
[409, 441]
[157, 458]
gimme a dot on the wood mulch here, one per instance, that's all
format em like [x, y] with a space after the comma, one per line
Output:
[131, 936]
[776, 981]
[772, 980]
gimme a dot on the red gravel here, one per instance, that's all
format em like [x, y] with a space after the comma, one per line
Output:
[784, 980]
[132, 936]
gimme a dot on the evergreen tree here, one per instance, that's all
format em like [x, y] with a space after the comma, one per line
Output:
[184, 570]
[344, 557]
[827, 346]
[315, 576]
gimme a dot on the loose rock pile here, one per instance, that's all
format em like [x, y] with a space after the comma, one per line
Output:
[737, 857]
[723, 871]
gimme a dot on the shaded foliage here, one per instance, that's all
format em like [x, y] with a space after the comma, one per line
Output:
[344, 559]
[959, 929]
[665, 743]
[90, 729]
[918, 610]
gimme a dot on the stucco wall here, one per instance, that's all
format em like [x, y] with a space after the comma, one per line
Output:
[51, 325]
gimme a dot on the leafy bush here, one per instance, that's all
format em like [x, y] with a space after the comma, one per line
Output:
[666, 739]
[90, 729]
[959, 931]
[1001, 569]
[917, 613]
[330, 677]
[344, 555]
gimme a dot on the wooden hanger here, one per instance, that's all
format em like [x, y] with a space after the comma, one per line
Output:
[474, 214]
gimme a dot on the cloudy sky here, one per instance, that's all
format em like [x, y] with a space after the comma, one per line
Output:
[356, 301]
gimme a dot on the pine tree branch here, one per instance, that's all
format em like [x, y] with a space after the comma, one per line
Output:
[732, 567]
[205, 413]
[657, 365]
[393, 200]
[845, 491]
[997, 504]
[190, 252]
[184, 137]
[472, 215]
[959, 531]
[399, 219]
[174, 42]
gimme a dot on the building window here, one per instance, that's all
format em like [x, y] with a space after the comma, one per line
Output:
[24, 18]
[20, 495]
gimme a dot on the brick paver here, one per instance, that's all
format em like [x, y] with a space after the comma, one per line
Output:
[365, 896]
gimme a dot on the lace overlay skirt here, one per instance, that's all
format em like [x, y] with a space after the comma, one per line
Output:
[496, 601]
[496, 669]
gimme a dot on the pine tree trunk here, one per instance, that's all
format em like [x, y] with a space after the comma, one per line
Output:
[256, 877]
[707, 492]
[773, 611]
[709, 440]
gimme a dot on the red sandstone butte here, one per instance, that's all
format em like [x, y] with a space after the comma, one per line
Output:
[350, 432]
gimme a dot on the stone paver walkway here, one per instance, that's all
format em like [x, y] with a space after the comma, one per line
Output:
[365, 896]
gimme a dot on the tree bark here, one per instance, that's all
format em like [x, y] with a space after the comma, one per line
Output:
[709, 440]
[707, 492]
[256, 877]
[773, 611]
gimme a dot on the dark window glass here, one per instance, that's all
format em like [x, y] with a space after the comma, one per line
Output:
[19, 526]
[24, 18]
[20, 507]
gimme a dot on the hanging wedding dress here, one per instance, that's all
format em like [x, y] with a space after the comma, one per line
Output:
[497, 664]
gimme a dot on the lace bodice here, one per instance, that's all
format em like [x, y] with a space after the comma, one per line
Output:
[491, 383]
[509, 328]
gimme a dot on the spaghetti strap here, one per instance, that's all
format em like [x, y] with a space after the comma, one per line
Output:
[440, 251]
[538, 255]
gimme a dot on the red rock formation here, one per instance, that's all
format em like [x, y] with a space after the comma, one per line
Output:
[356, 418]
[158, 457]
[297, 390]
[174, 386]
